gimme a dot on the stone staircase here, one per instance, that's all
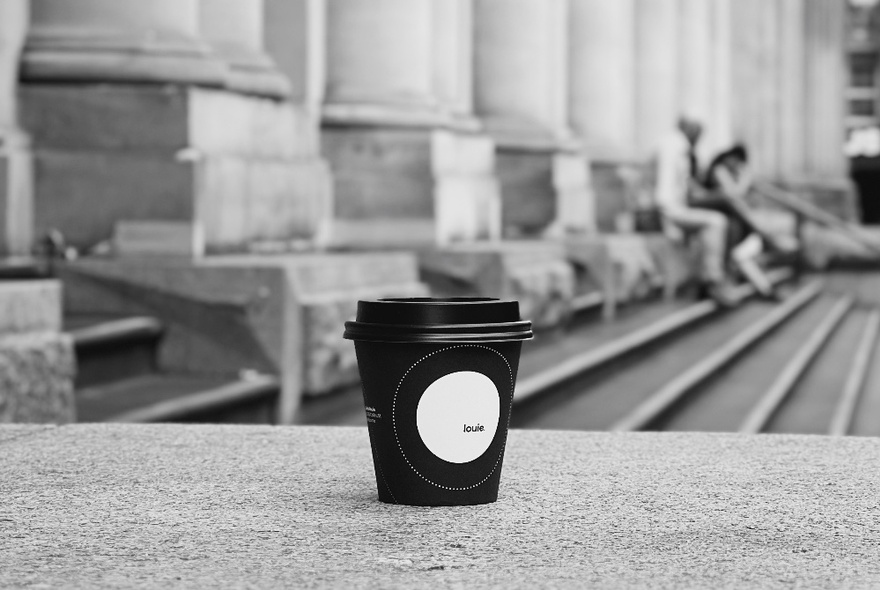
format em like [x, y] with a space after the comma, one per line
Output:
[805, 365]
[119, 378]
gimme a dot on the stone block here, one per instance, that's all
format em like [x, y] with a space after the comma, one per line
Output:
[83, 193]
[537, 274]
[326, 289]
[165, 118]
[528, 197]
[575, 199]
[279, 314]
[593, 268]
[16, 199]
[380, 173]
[644, 264]
[545, 188]
[30, 306]
[158, 238]
[245, 167]
[406, 172]
[610, 192]
[236, 200]
[36, 378]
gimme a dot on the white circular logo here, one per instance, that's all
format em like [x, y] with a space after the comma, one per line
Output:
[458, 415]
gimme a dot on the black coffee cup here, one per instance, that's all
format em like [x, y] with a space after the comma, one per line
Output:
[438, 377]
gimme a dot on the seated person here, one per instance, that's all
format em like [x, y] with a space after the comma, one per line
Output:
[675, 179]
[727, 182]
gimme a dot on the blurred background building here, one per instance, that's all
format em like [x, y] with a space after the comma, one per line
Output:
[245, 170]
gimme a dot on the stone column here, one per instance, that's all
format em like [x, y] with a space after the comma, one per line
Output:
[235, 31]
[827, 179]
[16, 190]
[521, 95]
[602, 97]
[720, 124]
[602, 41]
[825, 69]
[792, 100]
[695, 68]
[145, 112]
[657, 66]
[410, 163]
[296, 38]
[770, 85]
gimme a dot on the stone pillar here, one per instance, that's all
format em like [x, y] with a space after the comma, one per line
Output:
[827, 180]
[148, 111]
[235, 31]
[295, 38]
[602, 97]
[695, 68]
[16, 190]
[521, 95]
[602, 41]
[792, 100]
[410, 163]
[720, 131]
[825, 69]
[769, 83]
[657, 66]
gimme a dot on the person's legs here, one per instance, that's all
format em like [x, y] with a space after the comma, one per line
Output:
[711, 229]
[745, 256]
[738, 226]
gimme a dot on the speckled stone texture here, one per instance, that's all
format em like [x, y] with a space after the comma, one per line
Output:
[128, 506]
[36, 378]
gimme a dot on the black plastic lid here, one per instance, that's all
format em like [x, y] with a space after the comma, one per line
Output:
[426, 319]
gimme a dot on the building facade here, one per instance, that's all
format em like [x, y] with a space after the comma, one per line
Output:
[396, 122]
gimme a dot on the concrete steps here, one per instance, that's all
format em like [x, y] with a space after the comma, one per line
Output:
[119, 379]
[806, 365]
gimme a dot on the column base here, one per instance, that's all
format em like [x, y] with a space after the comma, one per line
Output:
[48, 58]
[438, 179]
[245, 168]
[544, 180]
[16, 197]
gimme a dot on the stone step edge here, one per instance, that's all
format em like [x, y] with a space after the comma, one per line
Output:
[593, 359]
[841, 420]
[772, 399]
[249, 389]
[112, 333]
[661, 401]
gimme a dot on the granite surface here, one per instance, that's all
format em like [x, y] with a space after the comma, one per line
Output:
[258, 506]
[36, 378]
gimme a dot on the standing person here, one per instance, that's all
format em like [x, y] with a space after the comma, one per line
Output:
[677, 177]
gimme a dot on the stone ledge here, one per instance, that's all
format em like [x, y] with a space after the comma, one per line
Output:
[30, 306]
[174, 505]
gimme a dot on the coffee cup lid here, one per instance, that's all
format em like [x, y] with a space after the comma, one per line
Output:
[427, 319]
